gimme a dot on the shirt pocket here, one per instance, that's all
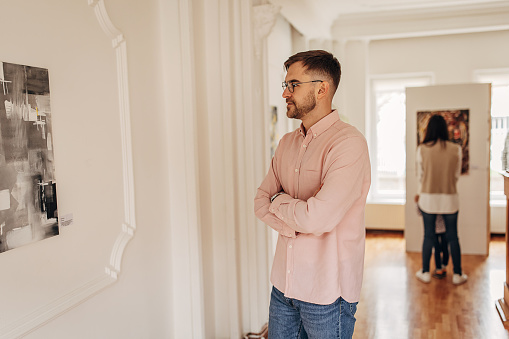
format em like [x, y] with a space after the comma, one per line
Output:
[309, 182]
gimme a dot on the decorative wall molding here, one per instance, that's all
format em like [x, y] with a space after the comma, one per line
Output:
[102, 16]
[45, 314]
[129, 224]
[264, 18]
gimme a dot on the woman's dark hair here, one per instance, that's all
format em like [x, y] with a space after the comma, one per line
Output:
[436, 130]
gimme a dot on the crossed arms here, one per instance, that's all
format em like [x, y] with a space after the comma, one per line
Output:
[345, 177]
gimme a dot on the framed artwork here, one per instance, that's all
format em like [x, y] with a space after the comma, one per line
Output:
[273, 130]
[28, 199]
[458, 126]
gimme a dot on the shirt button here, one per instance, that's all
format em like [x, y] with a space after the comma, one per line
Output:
[304, 145]
[296, 170]
[288, 271]
[290, 246]
[314, 135]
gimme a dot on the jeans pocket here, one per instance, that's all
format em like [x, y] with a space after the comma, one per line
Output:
[347, 319]
[348, 307]
[353, 308]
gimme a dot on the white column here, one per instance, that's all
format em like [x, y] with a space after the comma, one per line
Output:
[231, 137]
[187, 289]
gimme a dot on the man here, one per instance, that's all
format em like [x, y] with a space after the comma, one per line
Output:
[314, 196]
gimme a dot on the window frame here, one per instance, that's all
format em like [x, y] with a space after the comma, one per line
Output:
[374, 195]
[496, 199]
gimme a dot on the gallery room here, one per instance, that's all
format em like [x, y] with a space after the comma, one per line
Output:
[135, 134]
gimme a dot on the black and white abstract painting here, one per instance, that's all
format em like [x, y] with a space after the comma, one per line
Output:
[28, 200]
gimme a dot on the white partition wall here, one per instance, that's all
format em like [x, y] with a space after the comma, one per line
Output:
[473, 187]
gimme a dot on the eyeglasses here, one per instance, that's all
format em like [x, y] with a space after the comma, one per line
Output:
[291, 85]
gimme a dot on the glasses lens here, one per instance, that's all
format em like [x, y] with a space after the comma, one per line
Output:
[288, 85]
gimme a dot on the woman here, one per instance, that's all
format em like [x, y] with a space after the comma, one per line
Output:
[438, 169]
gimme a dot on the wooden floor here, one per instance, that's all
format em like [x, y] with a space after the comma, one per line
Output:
[394, 304]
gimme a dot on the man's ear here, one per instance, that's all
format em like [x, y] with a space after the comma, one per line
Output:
[323, 90]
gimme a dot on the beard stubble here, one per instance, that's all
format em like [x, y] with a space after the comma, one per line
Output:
[298, 111]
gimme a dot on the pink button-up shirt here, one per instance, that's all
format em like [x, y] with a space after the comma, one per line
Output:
[325, 175]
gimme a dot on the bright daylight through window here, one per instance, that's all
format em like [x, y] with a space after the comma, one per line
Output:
[387, 135]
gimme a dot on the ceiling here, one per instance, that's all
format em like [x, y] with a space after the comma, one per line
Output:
[314, 18]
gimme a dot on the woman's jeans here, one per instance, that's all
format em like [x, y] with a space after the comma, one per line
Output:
[451, 231]
[291, 318]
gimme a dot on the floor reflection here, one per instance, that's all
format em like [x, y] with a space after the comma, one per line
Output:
[394, 304]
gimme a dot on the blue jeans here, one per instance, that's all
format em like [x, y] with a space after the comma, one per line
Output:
[451, 232]
[292, 318]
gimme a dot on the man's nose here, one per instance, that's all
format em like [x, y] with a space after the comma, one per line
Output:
[286, 93]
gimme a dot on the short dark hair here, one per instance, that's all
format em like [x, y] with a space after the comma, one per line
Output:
[319, 61]
[436, 130]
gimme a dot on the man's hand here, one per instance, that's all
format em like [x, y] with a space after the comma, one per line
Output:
[416, 198]
[314, 195]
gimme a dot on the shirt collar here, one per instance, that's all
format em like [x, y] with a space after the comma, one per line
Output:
[322, 125]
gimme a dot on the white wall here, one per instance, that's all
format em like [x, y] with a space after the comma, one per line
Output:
[198, 264]
[355, 70]
[452, 58]
[132, 307]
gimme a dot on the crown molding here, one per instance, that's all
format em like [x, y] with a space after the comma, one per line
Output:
[313, 19]
[471, 18]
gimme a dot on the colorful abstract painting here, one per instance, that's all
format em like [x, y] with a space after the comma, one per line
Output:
[458, 126]
[273, 131]
[28, 201]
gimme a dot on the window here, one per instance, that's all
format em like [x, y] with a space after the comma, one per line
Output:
[499, 80]
[387, 137]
